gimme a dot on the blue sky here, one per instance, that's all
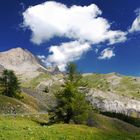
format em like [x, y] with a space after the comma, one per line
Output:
[92, 55]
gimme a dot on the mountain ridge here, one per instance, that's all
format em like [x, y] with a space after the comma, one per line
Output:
[22, 62]
[108, 92]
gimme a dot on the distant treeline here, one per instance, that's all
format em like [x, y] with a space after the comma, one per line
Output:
[128, 119]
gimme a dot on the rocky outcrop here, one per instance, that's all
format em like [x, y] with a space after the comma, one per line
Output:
[54, 80]
[1, 69]
[112, 102]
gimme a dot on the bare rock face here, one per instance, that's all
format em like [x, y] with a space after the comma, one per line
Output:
[111, 102]
[22, 62]
[1, 69]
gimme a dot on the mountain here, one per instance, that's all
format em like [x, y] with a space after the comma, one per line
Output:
[106, 92]
[114, 93]
[22, 62]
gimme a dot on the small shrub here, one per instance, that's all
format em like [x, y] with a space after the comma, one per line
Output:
[46, 90]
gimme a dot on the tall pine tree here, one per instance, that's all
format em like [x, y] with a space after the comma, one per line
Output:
[71, 103]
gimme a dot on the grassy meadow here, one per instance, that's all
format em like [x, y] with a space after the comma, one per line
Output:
[34, 127]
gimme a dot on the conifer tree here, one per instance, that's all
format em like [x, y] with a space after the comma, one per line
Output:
[71, 103]
[9, 83]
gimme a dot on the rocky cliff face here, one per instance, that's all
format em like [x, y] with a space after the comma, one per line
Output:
[1, 69]
[112, 102]
[22, 62]
[114, 93]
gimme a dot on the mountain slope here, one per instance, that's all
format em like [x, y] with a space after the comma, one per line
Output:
[10, 105]
[107, 92]
[22, 62]
[114, 93]
[29, 127]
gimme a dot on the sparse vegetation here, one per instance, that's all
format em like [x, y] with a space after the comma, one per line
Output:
[35, 81]
[10, 105]
[97, 81]
[128, 86]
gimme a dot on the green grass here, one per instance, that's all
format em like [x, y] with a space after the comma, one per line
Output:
[128, 87]
[35, 81]
[10, 105]
[29, 128]
[30, 101]
[97, 81]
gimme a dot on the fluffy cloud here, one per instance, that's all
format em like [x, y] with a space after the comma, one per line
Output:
[52, 19]
[136, 23]
[107, 54]
[66, 52]
[42, 58]
[80, 23]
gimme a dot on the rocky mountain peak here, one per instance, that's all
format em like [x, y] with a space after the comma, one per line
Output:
[17, 56]
[21, 61]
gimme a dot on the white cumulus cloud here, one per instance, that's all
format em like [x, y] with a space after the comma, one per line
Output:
[106, 54]
[136, 23]
[52, 19]
[42, 58]
[66, 52]
[79, 23]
